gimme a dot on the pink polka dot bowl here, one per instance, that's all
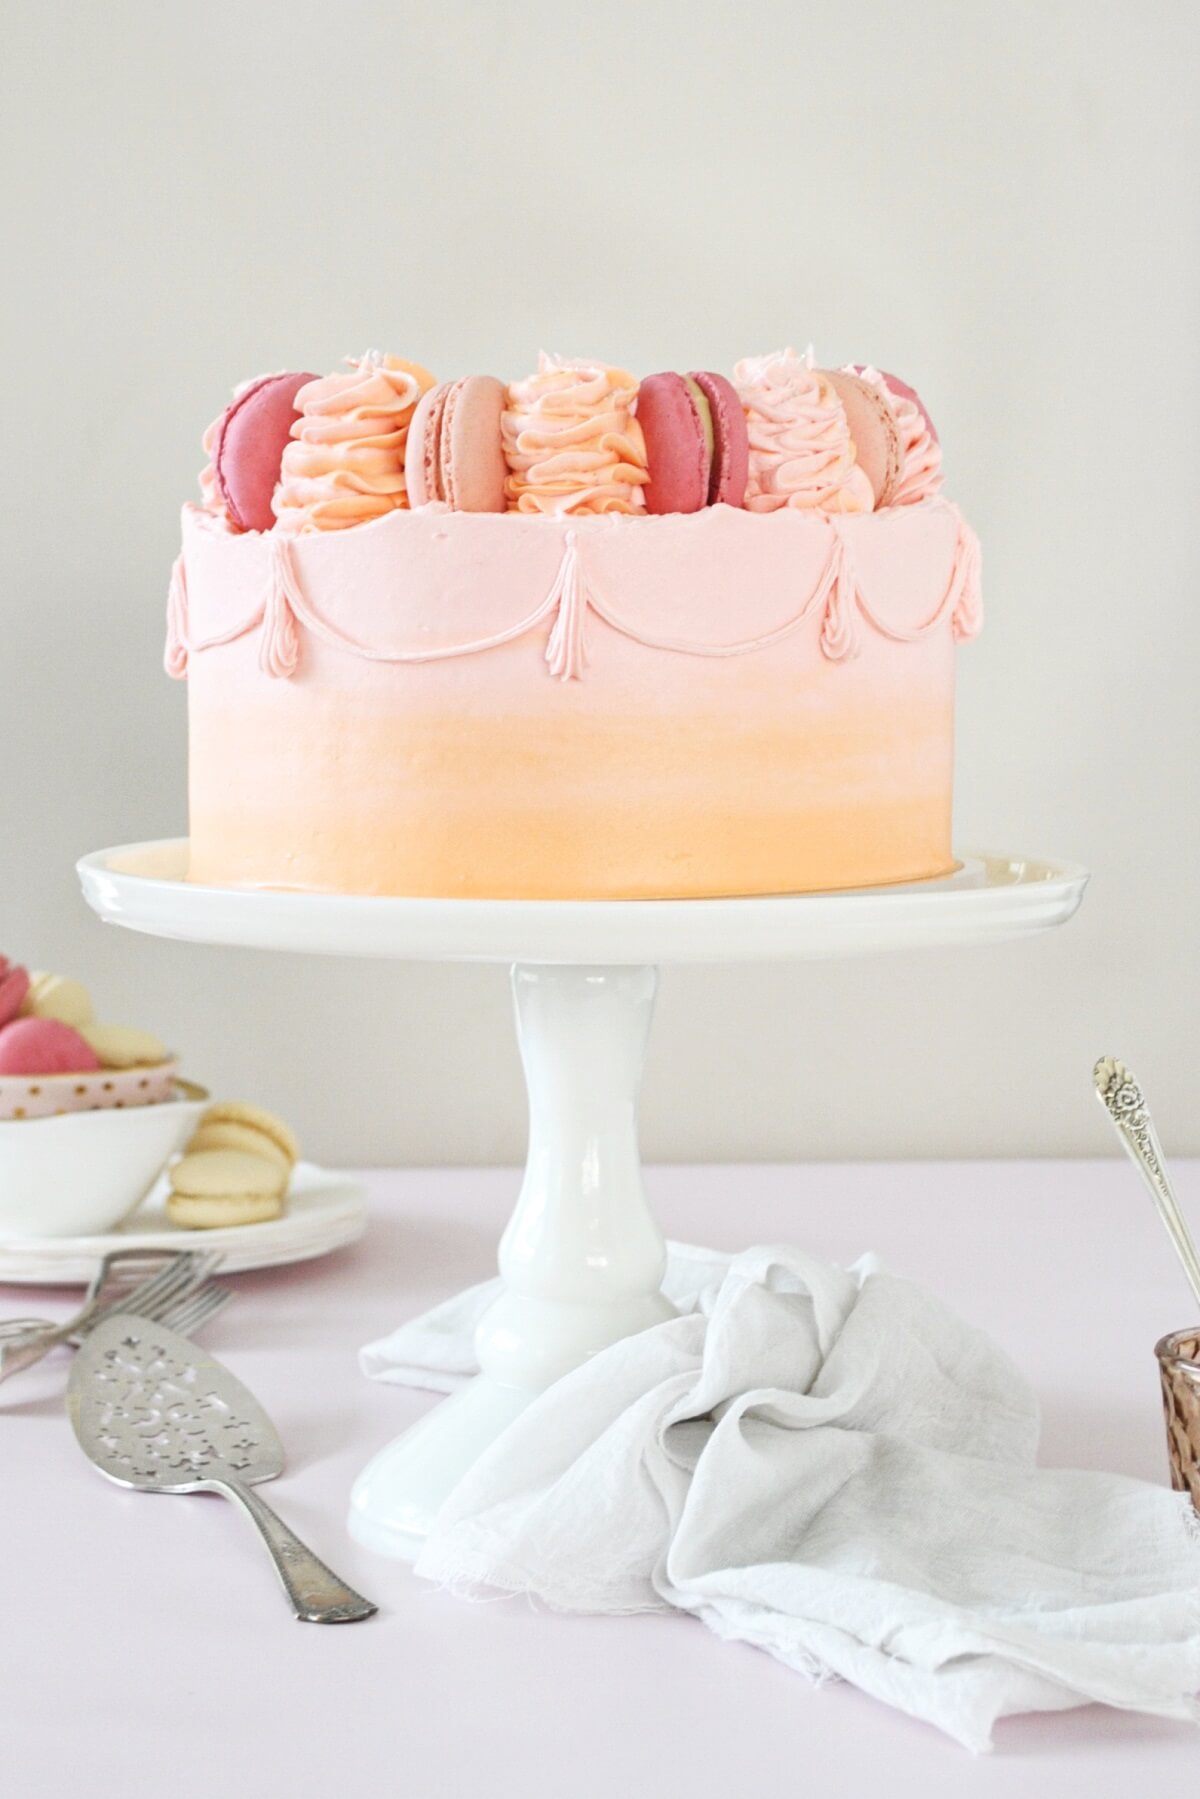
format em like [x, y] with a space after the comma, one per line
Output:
[24, 1096]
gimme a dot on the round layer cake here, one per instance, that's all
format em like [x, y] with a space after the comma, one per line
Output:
[563, 703]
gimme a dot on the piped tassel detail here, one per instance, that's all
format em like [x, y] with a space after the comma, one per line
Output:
[279, 645]
[175, 656]
[841, 636]
[967, 617]
[567, 651]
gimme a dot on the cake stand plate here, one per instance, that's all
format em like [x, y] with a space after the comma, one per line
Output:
[582, 1259]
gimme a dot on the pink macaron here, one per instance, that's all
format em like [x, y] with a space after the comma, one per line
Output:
[249, 445]
[44, 1046]
[873, 432]
[731, 440]
[455, 451]
[14, 985]
[903, 391]
[697, 447]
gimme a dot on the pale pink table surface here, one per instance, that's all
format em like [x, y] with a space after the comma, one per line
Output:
[146, 1651]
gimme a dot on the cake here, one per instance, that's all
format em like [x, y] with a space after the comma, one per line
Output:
[572, 637]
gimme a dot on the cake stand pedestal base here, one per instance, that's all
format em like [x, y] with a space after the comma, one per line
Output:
[582, 1259]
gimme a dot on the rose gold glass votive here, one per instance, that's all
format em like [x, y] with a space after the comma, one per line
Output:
[1179, 1365]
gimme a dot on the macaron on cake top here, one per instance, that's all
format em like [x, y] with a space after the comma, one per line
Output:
[731, 438]
[899, 390]
[874, 432]
[697, 448]
[920, 451]
[248, 447]
[455, 451]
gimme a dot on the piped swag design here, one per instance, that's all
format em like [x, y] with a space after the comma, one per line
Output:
[284, 612]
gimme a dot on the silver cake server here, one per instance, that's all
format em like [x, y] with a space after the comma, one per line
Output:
[155, 1412]
[1120, 1094]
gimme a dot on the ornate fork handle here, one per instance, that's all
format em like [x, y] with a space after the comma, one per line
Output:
[316, 1594]
[1120, 1093]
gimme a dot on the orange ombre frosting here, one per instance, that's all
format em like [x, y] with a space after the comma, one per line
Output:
[571, 441]
[507, 705]
[345, 464]
[801, 452]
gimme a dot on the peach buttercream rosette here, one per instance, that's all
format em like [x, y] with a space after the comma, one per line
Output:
[801, 451]
[345, 463]
[572, 442]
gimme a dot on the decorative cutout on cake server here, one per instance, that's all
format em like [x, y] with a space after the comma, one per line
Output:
[284, 608]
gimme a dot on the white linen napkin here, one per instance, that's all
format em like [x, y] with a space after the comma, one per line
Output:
[825, 1462]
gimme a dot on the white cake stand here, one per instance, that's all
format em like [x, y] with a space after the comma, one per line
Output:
[582, 1259]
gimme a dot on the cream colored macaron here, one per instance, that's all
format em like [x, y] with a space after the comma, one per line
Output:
[120, 1046]
[57, 996]
[269, 1134]
[220, 1187]
[223, 1133]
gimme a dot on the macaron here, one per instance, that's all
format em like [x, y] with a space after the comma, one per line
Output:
[219, 1187]
[731, 439]
[873, 432]
[455, 452]
[45, 1046]
[697, 447]
[903, 391]
[250, 1129]
[14, 988]
[120, 1046]
[57, 996]
[249, 444]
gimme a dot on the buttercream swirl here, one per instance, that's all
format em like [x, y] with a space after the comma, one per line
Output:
[210, 493]
[801, 451]
[345, 463]
[920, 452]
[572, 442]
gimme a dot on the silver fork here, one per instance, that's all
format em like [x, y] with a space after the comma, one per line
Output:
[188, 1315]
[178, 1278]
[191, 1313]
[117, 1275]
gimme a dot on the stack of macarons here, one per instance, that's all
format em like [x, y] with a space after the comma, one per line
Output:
[48, 1029]
[235, 1169]
[694, 426]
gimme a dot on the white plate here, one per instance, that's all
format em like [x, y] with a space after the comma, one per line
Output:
[991, 897]
[324, 1212]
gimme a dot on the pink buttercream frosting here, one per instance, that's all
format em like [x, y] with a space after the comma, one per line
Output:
[801, 452]
[345, 463]
[210, 493]
[921, 454]
[572, 442]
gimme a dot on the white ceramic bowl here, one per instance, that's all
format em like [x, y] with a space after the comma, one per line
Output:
[80, 1174]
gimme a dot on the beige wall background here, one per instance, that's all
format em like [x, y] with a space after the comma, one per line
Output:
[998, 200]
